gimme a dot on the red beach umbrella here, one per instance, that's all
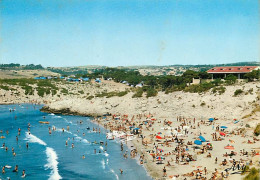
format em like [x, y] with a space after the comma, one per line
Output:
[158, 137]
[222, 134]
[229, 147]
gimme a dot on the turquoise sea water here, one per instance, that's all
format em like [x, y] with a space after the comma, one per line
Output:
[47, 156]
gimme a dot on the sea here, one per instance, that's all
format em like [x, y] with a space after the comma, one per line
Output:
[48, 157]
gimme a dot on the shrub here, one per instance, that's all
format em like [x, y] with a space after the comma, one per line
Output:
[203, 104]
[28, 90]
[111, 94]
[151, 92]
[81, 92]
[230, 79]
[4, 87]
[90, 97]
[247, 126]
[220, 90]
[199, 88]
[64, 91]
[257, 130]
[251, 90]
[237, 92]
[139, 93]
[245, 169]
[253, 174]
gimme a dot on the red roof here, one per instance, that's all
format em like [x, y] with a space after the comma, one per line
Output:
[232, 69]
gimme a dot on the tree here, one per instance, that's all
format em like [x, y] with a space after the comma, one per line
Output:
[255, 74]
[231, 79]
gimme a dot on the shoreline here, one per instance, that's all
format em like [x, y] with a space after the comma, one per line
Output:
[130, 144]
[151, 169]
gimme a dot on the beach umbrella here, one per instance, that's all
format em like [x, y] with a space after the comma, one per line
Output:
[158, 137]
[222, 134]
[202, 139]
[136, 128]
[198, 142]
[159, 157]
[223, 127]
[211, 119]
[229, 147]
[160, 150]
[159, 133]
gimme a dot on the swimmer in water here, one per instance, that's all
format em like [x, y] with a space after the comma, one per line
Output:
[95, 151]
[27, 145]
[16, 168]
[3, 170]
[72, 145]
[6, 148]
[83, 157]
[23, 173]
[14, 154]
[16, 138]
[66, 143]
[121, 171]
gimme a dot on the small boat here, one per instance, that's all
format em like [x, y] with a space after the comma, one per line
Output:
[2, 137]
[44, 122]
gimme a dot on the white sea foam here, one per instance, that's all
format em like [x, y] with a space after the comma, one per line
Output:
[114, 174]
[81, 139]
[52, 114]
[101, 147]
[103, 164]
[60, 130]
[33, 139]
[52, 164]
[106, 154]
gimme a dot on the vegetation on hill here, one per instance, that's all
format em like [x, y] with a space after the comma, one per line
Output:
[43, 87]
[15, 66]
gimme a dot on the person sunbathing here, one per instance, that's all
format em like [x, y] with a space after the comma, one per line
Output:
[225, 155]
[250, 142]
[209, 155]
[224, 163]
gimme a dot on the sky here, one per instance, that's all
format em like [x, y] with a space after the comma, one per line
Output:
[129, 32]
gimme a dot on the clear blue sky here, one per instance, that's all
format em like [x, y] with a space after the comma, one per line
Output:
[129, 32]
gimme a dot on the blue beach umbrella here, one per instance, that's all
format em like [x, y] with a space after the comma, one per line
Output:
[211, 119]
[223, 127]
[202, 139]
[136, 128]
[198, 142]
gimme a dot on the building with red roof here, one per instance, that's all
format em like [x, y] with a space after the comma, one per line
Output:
[239, 71]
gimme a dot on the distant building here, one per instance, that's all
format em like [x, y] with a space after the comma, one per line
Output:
[239, 71]
[139, 85]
